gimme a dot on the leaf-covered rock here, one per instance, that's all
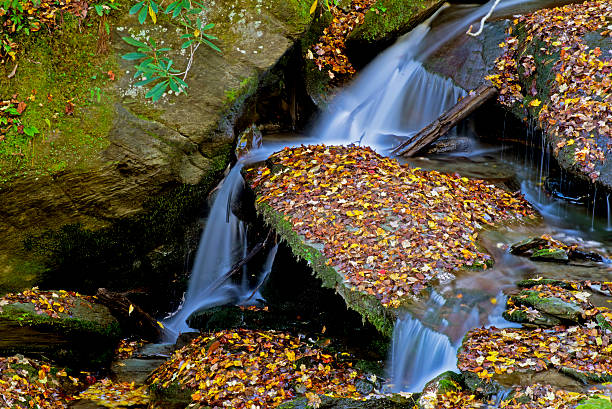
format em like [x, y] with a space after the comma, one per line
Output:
[63, 326]
[377, 231]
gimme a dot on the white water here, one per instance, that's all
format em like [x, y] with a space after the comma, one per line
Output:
[222, 245]
[391, 100]
[417, 355]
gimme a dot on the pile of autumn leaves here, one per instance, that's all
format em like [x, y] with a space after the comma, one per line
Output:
[329, 50]
[387, 228]
[248, 369]
[577, 112]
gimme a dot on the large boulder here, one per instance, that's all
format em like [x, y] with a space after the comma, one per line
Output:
[375, 231]
[68, 328]
[556, 73]
[116, 178]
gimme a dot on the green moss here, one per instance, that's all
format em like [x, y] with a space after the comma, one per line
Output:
[399, 16]
[247, 87]
[53, 69]
[23, 273]
[367, 305]
[25, 315]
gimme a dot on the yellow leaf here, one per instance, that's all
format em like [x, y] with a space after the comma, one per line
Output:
[535, 103]
[314, 6]
[570, 142]
[152, 14]
[130, 309]
[160, 324]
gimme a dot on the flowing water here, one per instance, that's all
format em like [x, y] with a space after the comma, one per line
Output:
[394, 97]
[223, 244]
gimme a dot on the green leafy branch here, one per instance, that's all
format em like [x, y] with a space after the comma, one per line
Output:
[152, 63]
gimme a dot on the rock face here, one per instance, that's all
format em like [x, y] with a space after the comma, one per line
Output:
[84, 335]
[158, 160]
[468, 60]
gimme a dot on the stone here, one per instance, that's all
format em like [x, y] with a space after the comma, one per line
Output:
[550, 254]
[176, 147]
[382, 402]
[83, 339]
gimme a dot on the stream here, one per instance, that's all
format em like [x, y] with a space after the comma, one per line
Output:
[390, 100]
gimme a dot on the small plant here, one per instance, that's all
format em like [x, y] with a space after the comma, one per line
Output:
[96, 94]
[153, 64]
[596, 403]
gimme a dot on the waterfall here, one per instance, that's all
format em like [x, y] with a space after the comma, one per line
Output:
[609, 228]
[417, 355]
[222, 245]
[391, 100]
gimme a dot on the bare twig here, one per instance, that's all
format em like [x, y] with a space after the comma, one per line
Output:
[482, 21]
[12, 74]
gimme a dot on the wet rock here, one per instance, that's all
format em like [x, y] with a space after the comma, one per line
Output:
[468, 60]
[526, 247]
[82, 338]
[549, 305]
[558, 255]
[445, 382]
[545, 248]
[140, 365]
[230, 316]
[382, 402]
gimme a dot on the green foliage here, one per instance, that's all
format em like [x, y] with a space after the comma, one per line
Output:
[104, 9]
[596, 403]
[154, 67]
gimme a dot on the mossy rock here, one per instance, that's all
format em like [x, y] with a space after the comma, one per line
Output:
[541, 320]
[550, 254]
[367, 305]
[386, 402]
[552, 306]
[83, 339]
[385, 22]
[106, 173]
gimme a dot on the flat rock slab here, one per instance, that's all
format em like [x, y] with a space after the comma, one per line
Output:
[65, 327]
[377, 231]
[547, 304]
[491, 355]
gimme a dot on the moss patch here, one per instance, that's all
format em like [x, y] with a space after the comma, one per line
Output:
[398, 16]
[54, 71]
[366, 305]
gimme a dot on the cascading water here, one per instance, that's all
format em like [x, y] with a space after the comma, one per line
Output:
[391, 100]
[223, 244]
[417, 355]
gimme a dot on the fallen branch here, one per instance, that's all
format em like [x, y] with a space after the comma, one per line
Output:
[131, 317]
[236, 268]
[446, 121]
[482, 21]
